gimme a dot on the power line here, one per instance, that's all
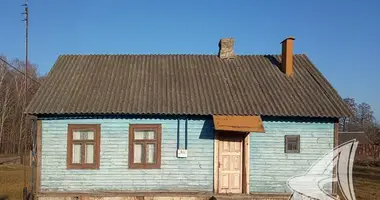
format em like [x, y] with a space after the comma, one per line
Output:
[11, 66]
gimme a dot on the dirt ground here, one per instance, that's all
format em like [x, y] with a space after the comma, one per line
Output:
[366, 181]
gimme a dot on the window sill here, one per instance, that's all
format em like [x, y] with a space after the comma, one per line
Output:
[144, 167]
[91, 167]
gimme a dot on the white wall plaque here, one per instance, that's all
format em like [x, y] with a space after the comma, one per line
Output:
[182, 153]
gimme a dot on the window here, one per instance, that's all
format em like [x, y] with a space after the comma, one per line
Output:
[292, 143]
[144, 146]
[83, 146]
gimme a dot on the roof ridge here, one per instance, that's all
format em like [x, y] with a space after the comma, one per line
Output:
[169, 54]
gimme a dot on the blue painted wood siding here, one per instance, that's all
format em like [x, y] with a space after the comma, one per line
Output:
[194, 173]
[270, 167]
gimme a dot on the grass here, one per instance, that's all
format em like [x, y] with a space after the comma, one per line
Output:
[366, 181]
[366, 189]
[12, 181]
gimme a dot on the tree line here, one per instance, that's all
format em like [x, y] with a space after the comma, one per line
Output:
[15, 137]
[362, 119]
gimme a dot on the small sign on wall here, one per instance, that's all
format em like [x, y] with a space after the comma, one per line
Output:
[182, 153]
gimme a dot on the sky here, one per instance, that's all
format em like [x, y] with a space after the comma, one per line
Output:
[342, 38]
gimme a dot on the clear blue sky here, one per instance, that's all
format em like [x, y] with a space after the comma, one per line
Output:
[341, 37]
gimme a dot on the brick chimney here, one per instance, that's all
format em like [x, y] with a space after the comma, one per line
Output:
[226, 48]
[287, 56]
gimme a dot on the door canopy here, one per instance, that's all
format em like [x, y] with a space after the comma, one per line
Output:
[238, 123]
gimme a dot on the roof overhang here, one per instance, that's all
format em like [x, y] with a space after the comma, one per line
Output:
[238, 123]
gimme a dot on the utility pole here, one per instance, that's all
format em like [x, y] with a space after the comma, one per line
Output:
[26, 20]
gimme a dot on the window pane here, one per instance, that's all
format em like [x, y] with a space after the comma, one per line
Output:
[76, 135]
[139, 135]
[144, 134]
[137, 157]
[89, 153]
[87, 135]
[292, 139]
[149, 135]
[292, 143]
[151, 153]
[292, 146]
[77, 153]
[289, 146]
[83, 135]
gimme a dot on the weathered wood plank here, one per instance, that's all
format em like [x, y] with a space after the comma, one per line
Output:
[216, 162]
[193, 173]
[247, 163]
[38, 156]
[10, 160]
[271, 167]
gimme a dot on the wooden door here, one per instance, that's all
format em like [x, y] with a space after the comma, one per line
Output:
[230, 164]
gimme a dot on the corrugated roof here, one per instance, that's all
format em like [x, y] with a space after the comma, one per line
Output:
[185, 85]
[361, 137]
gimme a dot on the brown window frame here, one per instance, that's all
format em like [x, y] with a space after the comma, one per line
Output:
[287, 137]
[147, 127]
[70, 142]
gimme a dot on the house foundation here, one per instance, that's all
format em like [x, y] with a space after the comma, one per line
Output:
[161, 196]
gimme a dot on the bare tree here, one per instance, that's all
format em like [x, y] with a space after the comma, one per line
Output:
[5, 110]
[365, 115]
[351, 122]
[4, 91]
[14, 131]
[363, 119]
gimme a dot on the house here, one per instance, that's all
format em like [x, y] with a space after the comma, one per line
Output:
[367, 152]
[182, 124]
[359, 136]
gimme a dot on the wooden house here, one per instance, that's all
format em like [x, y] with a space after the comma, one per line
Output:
[181, 125]
[367, 151]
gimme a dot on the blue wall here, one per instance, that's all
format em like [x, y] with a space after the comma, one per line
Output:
[270, 167]
[194, 173]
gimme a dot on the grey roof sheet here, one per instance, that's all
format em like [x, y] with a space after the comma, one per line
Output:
[185, 85]
[362, 138]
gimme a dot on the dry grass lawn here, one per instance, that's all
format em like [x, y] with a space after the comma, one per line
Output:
[366, 188]
[366, 182]
[12, 181]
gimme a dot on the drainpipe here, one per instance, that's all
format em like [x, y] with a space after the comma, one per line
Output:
[186, 134]
[178, 128]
